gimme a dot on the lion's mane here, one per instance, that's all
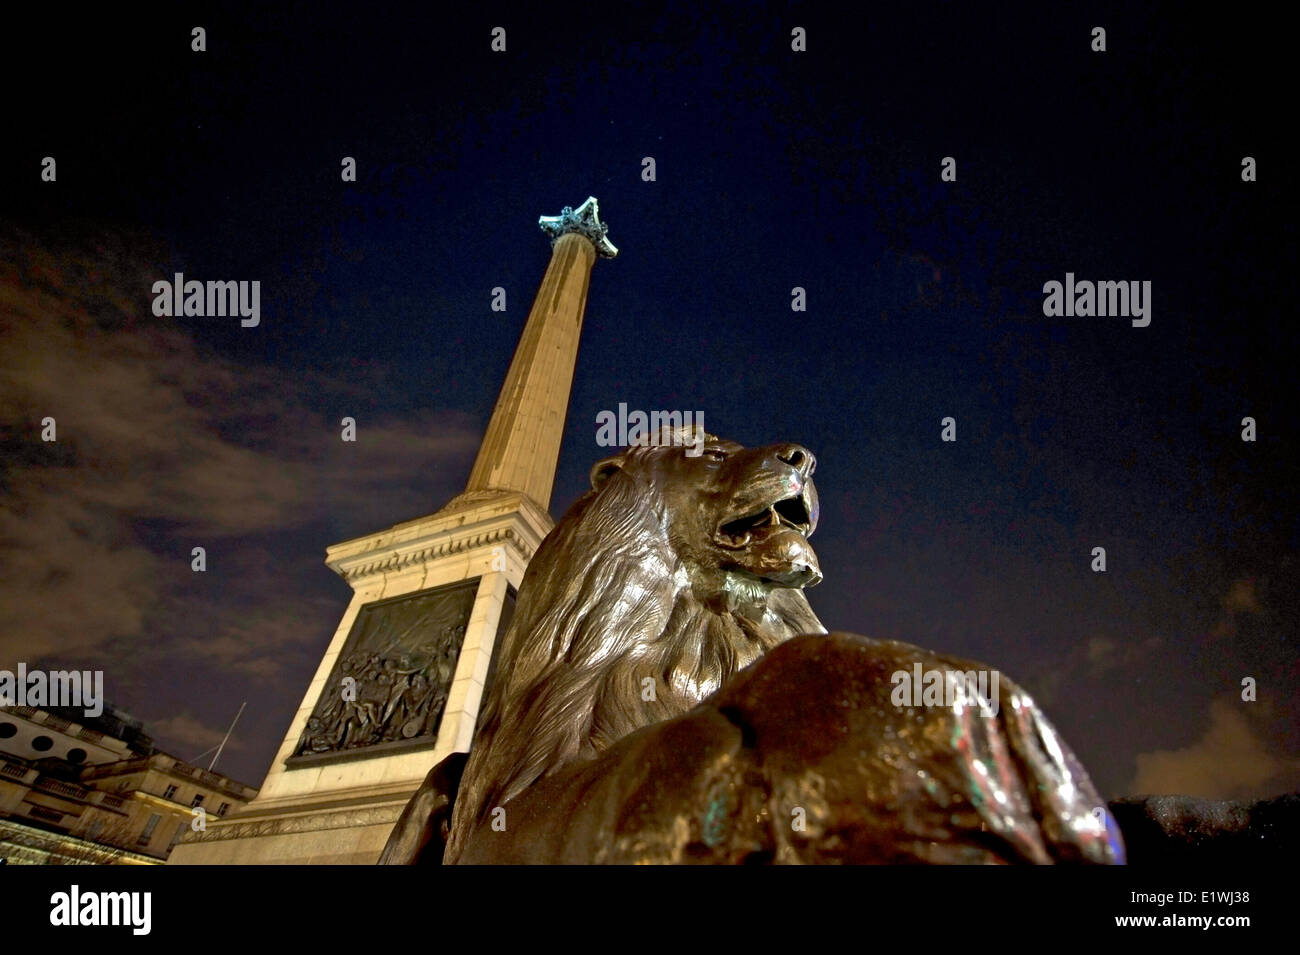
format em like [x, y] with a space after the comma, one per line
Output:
[607, 601]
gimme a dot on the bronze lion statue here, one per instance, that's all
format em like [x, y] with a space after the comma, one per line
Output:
[665, 693]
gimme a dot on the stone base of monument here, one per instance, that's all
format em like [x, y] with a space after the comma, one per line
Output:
[431, 599]
[345, 834]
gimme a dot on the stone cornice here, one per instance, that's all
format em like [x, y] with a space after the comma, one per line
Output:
[492, 520]
[399, 560]
[345, 818]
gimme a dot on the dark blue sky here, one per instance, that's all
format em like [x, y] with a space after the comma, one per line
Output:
[775, 169]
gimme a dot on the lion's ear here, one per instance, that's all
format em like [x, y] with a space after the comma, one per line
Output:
[602, 471]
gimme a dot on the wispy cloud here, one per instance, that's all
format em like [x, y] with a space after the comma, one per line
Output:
[1230, 761]
[163, 445]
[189, 736]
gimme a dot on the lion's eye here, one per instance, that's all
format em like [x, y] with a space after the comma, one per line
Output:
[716, 453]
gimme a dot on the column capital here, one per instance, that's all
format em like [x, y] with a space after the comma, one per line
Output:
[584, 220]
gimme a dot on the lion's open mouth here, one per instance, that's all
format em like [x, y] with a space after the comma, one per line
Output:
[792, 512]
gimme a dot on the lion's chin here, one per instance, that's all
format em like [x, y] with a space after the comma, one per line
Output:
[784, 558]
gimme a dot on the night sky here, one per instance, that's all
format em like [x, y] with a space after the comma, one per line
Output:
[774, 169]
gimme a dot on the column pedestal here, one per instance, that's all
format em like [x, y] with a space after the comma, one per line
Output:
[339, 806]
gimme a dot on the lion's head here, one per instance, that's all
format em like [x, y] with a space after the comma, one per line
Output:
[676, 570]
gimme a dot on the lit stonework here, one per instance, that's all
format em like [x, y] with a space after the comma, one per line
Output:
[74, 794]
[439, 591]
[522, 443]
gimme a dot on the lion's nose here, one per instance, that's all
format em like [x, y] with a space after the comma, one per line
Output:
[798, 457]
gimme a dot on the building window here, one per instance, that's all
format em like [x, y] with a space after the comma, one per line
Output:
[176, 836]
[76, 755]
[42, 743]
[147, 833]
[170, 791]
[225, 808]
[198, 800]
[7, 730]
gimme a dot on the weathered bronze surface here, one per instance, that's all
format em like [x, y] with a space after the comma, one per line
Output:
[391, 682]
[650, 597]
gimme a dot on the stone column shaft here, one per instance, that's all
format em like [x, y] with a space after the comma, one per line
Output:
[522, 444]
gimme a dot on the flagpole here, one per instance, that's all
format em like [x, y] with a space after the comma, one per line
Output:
[228, 732]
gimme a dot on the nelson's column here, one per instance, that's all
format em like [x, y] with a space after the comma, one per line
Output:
[400, 683]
